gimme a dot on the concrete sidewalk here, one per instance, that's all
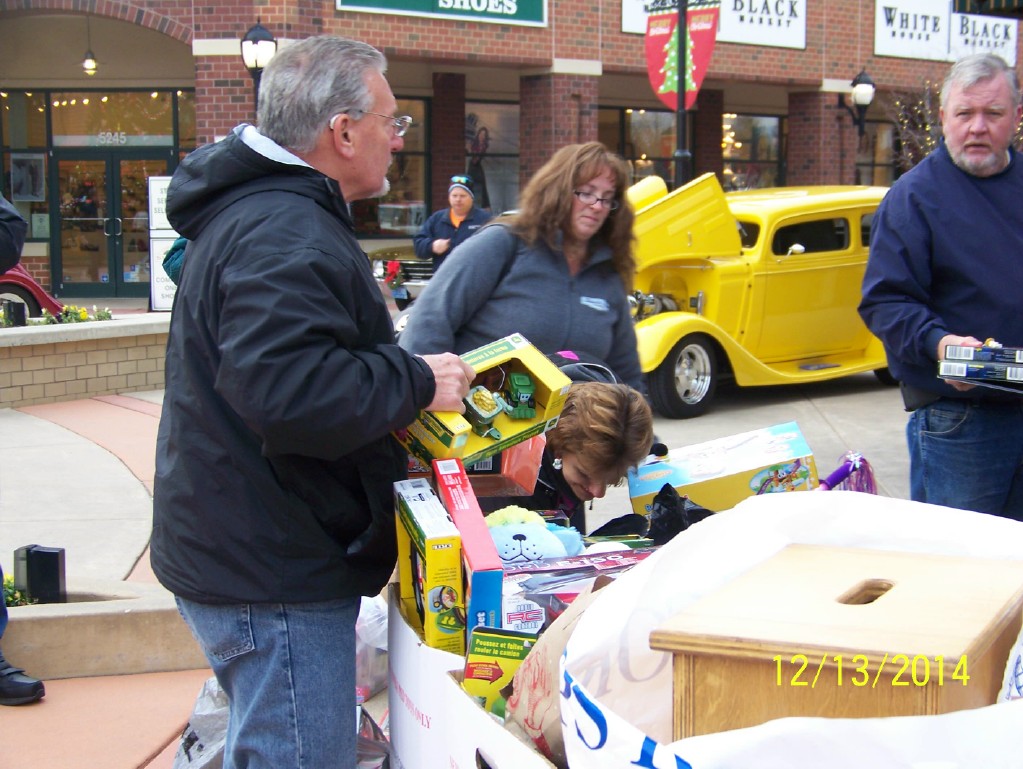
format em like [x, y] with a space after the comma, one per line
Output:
[81, 479]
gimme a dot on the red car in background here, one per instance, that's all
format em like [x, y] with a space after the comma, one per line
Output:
[17, 285]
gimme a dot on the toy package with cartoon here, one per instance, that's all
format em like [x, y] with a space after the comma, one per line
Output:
[429, 566]
[719, 474]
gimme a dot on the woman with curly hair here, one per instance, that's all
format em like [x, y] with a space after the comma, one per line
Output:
[558, 271]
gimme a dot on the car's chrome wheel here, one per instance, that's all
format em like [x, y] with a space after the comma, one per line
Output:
[683, 385]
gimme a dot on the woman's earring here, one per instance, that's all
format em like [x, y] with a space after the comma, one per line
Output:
[556, 464]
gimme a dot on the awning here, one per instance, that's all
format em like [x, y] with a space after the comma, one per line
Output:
[989, 7]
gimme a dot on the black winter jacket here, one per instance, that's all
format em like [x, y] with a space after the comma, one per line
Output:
[275, 463]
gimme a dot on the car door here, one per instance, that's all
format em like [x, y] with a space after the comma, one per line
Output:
[808, 285]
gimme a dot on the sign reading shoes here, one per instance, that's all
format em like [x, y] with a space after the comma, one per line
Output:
[527, 13]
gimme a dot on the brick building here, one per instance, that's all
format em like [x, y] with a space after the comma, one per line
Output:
[494, 87]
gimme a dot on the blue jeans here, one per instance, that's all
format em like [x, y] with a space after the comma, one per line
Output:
[289, 672]
[968, 455]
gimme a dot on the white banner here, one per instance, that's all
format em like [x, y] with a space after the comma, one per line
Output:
[778, 23]
[905, 29]
[925, 29]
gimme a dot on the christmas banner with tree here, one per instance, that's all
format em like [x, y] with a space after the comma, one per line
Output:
[662, 48]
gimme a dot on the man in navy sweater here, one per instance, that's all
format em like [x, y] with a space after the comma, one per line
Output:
[946, 268]
[448, 227]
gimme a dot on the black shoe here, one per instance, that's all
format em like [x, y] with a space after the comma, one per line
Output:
[18, 689]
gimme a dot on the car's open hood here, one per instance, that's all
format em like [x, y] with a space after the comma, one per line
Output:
[693, 222]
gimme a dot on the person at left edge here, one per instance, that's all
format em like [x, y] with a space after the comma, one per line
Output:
[448, 227]
[16, 688]
[272, 506]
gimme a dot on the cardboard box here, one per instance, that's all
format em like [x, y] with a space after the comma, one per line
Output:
[843, 633]
[448, 434]
[434, 724]
[430, 565]
[512, 473]
[484, 572]
[721, 473]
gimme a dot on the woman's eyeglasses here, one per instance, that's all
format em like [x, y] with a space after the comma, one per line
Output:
[588, 199]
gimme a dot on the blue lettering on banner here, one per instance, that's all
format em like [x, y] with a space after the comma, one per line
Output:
[595, 715]
[646, 756]
[649, 751]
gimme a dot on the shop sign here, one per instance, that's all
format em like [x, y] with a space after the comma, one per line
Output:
[923, 29]
[776, 23]
[526, 13]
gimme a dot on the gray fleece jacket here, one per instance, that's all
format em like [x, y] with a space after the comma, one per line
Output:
[493, 285]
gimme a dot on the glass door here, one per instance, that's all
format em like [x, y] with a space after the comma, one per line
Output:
[101, 245]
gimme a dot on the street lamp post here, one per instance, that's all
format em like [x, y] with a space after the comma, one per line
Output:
[862, 95]
[681, 156]
[258, 47]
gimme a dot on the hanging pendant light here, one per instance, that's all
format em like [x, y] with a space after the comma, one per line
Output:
[89, 62]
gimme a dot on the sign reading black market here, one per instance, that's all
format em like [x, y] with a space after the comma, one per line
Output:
[924, 29]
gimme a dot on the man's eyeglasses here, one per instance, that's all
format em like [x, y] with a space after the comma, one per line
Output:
[461, 180]
[588, 199]
[399, 124]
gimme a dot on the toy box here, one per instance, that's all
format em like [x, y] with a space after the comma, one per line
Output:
[980, 370]
[720, 473]
[484, 573]
[985, 353]
[492, 657]
[430, 566]
[511, 473]
[517, 393]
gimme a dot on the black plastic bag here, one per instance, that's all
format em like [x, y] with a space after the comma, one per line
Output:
[672, 513]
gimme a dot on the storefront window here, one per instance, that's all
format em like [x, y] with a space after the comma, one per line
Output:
[492, 154]
[112, 120]
[875, 155]
[402, 211]
[22, 119]
[186, 120]
[645, 138]
[751, 149]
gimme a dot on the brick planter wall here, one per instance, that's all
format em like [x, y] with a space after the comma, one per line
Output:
[46, 364]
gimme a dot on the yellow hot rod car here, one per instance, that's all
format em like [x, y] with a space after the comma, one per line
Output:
[761, 286]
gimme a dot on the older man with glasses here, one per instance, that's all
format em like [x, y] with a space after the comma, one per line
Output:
[272, 508]
[448, 227]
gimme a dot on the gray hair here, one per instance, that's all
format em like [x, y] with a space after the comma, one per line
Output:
[307, 83]
[970, 70]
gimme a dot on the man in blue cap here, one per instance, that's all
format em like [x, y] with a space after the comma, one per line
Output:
[448, 227]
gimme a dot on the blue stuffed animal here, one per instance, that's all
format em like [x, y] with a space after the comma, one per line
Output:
[523, 535]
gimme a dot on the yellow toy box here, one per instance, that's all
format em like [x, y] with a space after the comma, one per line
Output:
[493, 656]
[429, 566]
[517, 393]
[721, 473]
